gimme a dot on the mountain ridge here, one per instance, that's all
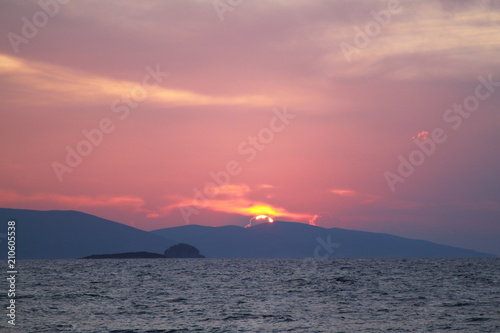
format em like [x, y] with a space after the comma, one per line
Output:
[64, 234]
[293, 239]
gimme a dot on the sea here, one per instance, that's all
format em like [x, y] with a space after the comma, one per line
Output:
[255, 295]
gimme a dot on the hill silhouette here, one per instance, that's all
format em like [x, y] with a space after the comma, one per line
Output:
[71, 234]
[298, 240]
[182, 250]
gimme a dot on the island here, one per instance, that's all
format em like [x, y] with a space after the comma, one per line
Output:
[127, 255]
[180, 250]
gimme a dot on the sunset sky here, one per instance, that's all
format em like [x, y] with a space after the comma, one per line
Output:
[165, 113]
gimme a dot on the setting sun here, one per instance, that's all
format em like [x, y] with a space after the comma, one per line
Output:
[264, 217]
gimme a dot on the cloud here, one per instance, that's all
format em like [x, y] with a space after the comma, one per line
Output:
[232, 190]
[9, 198]
[424, 135]
[265, 186]
[349, 193]
[55, 84]
[233, 199]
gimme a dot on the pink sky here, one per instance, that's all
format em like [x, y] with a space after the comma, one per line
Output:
[303, 106]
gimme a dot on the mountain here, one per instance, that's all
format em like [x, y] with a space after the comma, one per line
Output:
[298, 240]
[71, 234]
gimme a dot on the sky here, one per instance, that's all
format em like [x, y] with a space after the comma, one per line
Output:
[380, 116]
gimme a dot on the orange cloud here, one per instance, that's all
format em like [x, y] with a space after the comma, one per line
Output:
[241, 206]
[233, 190]
[421, 136]
[51, 83]
[265, 186]
[370, 199]
[313, 220]
[249, 208]
[232, 199]
[8, 198]
[349, 193]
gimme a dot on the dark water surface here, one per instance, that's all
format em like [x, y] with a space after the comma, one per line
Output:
[257, 295]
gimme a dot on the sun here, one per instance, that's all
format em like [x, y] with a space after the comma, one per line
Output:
[266, 218]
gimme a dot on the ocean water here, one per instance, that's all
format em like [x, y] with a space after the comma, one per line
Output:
[257, 295]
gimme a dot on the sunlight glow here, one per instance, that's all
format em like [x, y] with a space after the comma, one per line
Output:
[263, 210]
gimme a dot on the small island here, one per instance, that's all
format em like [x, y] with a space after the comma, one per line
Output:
[127, 255]
[180, 250]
